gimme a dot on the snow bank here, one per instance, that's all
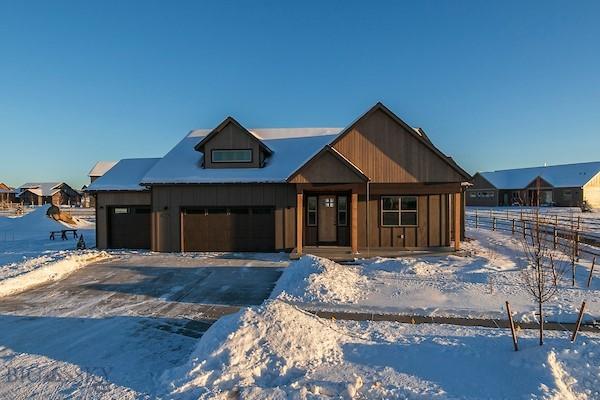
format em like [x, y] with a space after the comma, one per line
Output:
[276, 351]
[18, 277]
[315, 279]
[265, 346]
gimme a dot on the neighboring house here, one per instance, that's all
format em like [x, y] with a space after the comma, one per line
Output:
[377, 185]
[7, 194]
[99, 169]
[566, 185]
[40, 193]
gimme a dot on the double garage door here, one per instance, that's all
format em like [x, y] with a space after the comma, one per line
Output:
[129, 227]
[228, 229]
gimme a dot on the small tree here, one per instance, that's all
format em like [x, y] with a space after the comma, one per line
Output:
[541, 276]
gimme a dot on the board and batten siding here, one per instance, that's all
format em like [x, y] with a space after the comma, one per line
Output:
[169, 200]
[231, 137]
[105, 200]
[434, 222]
[387, 153]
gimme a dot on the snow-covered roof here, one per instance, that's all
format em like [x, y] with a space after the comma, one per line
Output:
[291, 147]
[40, 188]
[101, 167]
[568, 175]
[125, 175]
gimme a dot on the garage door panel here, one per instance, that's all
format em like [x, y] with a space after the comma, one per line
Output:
[129, 227]
[230, 229]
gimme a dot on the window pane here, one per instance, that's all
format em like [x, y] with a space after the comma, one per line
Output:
[231, 155]
[121, 210]
[390, 218]
[409, 218]
[312, 203]
[342, 218]
[312, 218]
[390, 203]
[342, 203]
[409, 203]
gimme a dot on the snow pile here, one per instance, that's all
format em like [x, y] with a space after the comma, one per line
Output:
[260, 347]
[18, 277]
[315, 279]
[277, 351]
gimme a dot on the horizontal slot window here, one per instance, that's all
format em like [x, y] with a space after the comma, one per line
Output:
[121, 210]
[231, 156]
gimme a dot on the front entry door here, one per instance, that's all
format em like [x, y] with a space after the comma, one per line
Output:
[327, 216]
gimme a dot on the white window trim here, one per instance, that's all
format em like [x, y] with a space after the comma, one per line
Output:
[399, 211]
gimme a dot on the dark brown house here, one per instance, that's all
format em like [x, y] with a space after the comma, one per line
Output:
[40, 193]
[566, 185]
[377, 185]
[7, 194]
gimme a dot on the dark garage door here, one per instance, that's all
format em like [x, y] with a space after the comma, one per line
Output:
[229, 229]
[129, 227]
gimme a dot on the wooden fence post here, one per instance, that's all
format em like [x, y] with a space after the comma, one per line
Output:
[591, 272]
[476, 220]
[494, 224]
[523, 223]
[578, 324]
[513, 227]
[555, 237]
[512, 327]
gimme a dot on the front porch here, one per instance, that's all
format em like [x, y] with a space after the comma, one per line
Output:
[343, 254]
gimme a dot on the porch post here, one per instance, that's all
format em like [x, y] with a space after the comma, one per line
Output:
[354, 218]
[299, 222]
[457, 221]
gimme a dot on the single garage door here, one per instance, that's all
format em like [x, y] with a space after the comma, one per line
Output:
[129, 227]
[228, 229]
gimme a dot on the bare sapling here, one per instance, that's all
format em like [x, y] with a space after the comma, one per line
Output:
[542, 274]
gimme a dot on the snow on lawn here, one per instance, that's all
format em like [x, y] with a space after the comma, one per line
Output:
[276, 351]
[28, 257]
[474, 283]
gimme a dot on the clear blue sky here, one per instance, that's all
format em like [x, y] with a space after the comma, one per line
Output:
[496, 85]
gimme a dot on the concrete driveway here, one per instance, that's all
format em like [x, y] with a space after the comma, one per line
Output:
[126, 320]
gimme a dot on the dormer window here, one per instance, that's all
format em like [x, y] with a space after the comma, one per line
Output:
[231, 156]
[230, 145]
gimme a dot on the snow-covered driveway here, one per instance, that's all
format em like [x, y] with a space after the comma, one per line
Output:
[110, 330]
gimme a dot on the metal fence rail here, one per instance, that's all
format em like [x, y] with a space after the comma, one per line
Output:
[561, 236]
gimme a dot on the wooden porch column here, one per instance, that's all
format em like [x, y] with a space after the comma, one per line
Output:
[354, 218]
[457, 221]
[299, 222]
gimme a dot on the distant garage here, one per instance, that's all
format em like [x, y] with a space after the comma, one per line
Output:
[228, 229]
[129, 227]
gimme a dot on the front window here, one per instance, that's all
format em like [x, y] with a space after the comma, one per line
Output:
[342, 211]
[399, 211]
[231, 156]
[311, 211]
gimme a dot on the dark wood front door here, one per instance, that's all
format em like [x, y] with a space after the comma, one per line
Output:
[327, 217]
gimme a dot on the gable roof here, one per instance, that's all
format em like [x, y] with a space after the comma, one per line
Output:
[339, 156]
[101, 167]
[126, 175]
[219, 128]
[567, 175]
[418, 133]
[291, 148]
[41, 188]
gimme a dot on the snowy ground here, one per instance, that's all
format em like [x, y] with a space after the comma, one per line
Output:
[108, 331]
[475, 284]
[28, 257]
[277, 351]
